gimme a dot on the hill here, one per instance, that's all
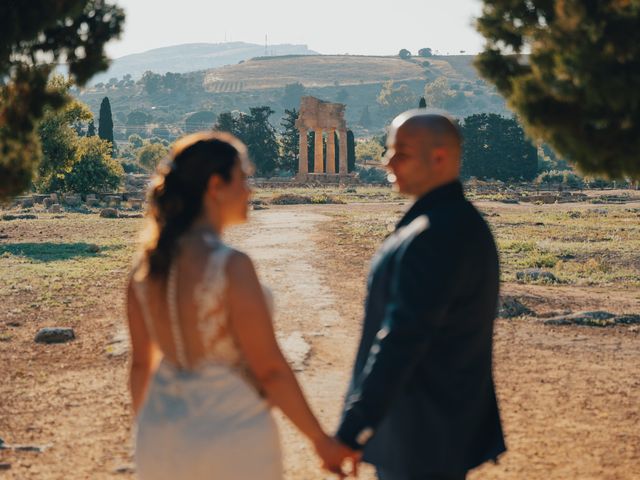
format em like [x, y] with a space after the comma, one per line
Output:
[356, 81]
[191, 57]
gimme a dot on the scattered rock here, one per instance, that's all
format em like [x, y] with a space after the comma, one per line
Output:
[55, 208]
[47, 202]
[72, 200]
[259, 207]
[27, 203]
[124, 469]
[3, 236]
[130, 215]
[5, 466]
[597, 318]
[93, 248]
[109, 213]
[536, 275]
[55, 335]
[511, 307]
[14, 323]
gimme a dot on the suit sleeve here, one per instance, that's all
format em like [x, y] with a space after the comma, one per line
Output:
[421, 289]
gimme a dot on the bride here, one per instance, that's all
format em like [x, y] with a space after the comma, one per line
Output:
[206, 368]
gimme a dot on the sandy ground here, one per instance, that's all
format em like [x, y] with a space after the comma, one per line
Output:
[569, 395]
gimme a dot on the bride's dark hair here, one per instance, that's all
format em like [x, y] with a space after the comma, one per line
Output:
[175, 198]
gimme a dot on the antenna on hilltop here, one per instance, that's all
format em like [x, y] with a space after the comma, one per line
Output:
[266, 54]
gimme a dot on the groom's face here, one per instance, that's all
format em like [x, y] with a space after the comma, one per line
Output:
[409, 159]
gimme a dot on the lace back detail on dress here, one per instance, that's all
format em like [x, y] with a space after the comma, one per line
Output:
[174, 319]
[210, 301]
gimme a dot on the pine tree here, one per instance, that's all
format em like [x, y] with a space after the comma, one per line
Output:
[578, 90]
[290, 140]
[105, 122]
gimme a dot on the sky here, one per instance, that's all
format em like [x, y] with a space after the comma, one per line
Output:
[362, 27]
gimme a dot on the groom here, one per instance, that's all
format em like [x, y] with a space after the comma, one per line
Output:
[421, 404]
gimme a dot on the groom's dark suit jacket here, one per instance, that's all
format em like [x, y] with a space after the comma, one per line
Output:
[422, 397]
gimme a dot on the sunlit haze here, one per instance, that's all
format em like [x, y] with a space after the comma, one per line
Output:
[328, 27]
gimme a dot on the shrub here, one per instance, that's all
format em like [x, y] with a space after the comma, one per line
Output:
[93, 170]
[372, 175]
[151, 154]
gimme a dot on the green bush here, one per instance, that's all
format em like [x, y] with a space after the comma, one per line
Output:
[372, 175]
[93, 169]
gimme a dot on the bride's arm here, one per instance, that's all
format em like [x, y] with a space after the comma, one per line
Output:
[143, 351]
[251, 323]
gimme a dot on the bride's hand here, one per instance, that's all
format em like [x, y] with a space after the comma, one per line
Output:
[333, 454]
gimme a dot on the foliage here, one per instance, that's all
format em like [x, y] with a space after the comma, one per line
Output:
[33, 38]
[351, 151]
[93, 169]
[438, 94]
[105, 123]
[395, 100]
[423, 103]
[496, 148]
[368, 151]
[91, 129]
[371, 175]
[150, 155]
[199, 121]
[404, 54]
[257, 133]
[292, 94]
[579, 89]
[290, 141]
[425, 52]
[566, 177]
[135, 141]
[58, 139]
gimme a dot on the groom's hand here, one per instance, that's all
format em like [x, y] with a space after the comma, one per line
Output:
[352, 457]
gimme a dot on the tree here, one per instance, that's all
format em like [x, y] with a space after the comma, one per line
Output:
[293, 92]
[33, 39]
[438, 93]
[351, 151]
[135, 141]
[91, 129]
[496, 148]
[290, 141]
[150, 155]
[227, 122]
[105, 123]
[202, 120]
[137, 122]
[425, 52]
[151, 82]
[368, 151]
[365, 118]
[93, 169]
[578, 90]
[404, 54]
[57, 139]
[260, 138]
[394, 100]
[423, 103]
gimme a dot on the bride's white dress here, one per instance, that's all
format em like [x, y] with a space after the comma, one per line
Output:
[207, 421]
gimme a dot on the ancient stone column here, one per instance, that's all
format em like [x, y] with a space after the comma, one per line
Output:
[318, 164]
[331, 151]
[344, 166]
[303, 162]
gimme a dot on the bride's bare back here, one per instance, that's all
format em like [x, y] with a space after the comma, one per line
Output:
[187, 314]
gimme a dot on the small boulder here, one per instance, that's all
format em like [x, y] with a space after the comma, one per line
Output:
[536, 275]
[72, 200]
[47, 202]
[5, 466]
[93, 248]
[27, 203]
[55, 335]
[511, 307]
[109, 213]
[55, 208]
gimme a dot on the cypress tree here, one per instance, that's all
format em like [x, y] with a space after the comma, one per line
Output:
[351, 151]
[423, 103]
[105, 122]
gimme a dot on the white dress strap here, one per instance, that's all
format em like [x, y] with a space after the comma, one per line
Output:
[172, 302]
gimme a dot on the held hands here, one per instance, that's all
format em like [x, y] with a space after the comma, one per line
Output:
[334, 454]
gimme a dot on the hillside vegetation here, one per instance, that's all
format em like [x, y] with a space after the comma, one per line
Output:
[356, 81]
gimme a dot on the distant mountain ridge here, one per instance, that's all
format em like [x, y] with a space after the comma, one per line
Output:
[193, 57]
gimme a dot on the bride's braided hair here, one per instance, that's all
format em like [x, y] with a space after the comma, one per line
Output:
[175, 198]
